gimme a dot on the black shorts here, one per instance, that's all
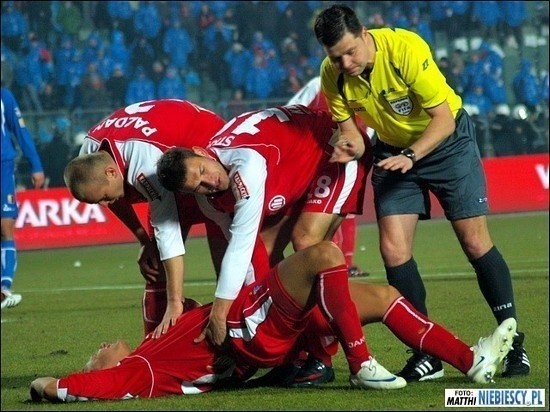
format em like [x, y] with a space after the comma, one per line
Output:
[453, 172]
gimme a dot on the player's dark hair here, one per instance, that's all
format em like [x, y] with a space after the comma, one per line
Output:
[171, 168]
[333, 23]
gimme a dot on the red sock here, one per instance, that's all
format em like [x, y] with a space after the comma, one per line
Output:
[153, 305]
[321, 342]
[347, 246]
[418, 332]
[335, 302]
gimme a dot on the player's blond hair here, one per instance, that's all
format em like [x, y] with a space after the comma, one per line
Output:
[85, 169]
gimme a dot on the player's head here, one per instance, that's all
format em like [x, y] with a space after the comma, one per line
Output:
[332, 24]
[94, 178]
[344, 39]
[108, 355]
[191, 171]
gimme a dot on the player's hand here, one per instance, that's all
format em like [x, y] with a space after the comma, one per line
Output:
[345, 151]
[215, 332]
[173, 312]
[224, 364]
[38, 179]
[38, 386]
[396, 163]
[149, 262]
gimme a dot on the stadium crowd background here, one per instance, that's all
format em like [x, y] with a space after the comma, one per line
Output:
[70, 63]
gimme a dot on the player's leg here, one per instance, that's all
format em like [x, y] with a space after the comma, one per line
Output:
[313, 227]
[348, 234]
[318, 274]
[384, 303]
[464, 200]
[399, 202]
[8, 246]
[495, 283]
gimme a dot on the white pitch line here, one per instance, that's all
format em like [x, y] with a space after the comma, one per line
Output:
[212, 283]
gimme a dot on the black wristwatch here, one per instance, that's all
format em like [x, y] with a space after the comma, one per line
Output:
[408, 152]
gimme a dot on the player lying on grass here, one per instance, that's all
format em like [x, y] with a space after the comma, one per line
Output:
[265, 326]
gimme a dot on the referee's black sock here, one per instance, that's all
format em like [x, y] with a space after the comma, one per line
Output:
[406, 279]
[495, 282]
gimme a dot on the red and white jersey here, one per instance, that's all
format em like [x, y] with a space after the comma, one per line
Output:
[136, 137]
[273, 157]
[311, 96]
[171, 365]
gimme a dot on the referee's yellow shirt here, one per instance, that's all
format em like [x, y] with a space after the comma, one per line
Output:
[405, 79]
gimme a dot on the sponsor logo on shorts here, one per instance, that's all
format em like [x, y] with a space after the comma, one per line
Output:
[149, 188]
[276, 203]
[240, 188]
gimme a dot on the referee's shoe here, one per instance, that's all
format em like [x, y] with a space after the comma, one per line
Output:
[421, 367]
[516, 363]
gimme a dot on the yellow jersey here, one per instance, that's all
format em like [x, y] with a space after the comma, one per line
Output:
[404, 80]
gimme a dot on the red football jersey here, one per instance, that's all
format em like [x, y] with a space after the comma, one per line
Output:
[171, 365]
[137, 136]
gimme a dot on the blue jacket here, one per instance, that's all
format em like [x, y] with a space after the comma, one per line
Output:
[14, 125]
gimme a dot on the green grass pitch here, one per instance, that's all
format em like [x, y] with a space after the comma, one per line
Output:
[68, 309]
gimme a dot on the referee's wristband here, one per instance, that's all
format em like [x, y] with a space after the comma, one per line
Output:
[408, 152]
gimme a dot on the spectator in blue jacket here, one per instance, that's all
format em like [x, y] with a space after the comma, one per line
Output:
[118, 51]
[258, 79]
[495, 89]
[14, 26]
[239, 60]
[105, 65]
[94, 42]
[13, 130]
[525, 86]
[477, 97]
[63, 57]
[171, 86]
[122, 17]
[177, 44]
[140, 88]
[487, 15]
[148, 23]
[514, 16]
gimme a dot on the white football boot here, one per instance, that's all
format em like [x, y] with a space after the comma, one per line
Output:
[490, 351]
[9, 300]
[374, 376]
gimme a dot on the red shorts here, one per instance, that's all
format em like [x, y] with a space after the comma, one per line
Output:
[339, 188]
[265, 324]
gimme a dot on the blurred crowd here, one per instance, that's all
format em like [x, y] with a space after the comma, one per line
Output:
[86, 55]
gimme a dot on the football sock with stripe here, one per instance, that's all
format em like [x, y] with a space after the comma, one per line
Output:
[334, 300]
[418, 332]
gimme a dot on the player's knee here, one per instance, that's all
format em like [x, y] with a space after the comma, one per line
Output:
[327, 254]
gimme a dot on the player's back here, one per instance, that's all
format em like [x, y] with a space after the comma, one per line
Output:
[166, 123]
[280, 134]
[293, 140]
